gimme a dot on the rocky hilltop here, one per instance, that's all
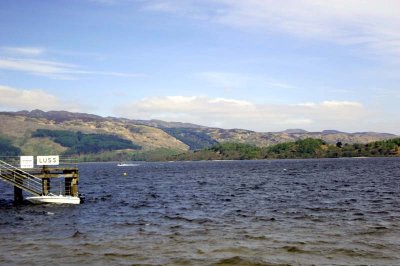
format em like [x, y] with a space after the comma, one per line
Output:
[148, 135]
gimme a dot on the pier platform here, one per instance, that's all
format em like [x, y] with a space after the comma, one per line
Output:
[53, 175]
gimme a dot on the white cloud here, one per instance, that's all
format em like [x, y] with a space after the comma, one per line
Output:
[23, 51]
[29, 60]
[371, 24]
[27, 99]
[230, 101]
[38, 67]
[296, 122]
[232, 113]
[202, 10]
[222, 79]
[162, 6]
[14, 99]
[341, 104]
[54, 69]
[231, 81]
[332, 104]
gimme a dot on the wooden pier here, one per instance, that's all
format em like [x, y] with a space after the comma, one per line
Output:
[62, 179]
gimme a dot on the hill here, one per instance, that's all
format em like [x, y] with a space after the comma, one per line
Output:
[300, 149]
[137, 139]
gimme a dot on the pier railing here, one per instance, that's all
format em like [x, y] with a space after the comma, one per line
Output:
[20, 178]
[65, 162]
[60, 178]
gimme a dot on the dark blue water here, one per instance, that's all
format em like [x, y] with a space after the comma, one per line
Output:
[284, 212]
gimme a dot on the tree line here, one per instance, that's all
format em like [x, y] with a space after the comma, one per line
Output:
[7, 148]
[80, 143]
[110, 147]
[300, 149]
[194, 139]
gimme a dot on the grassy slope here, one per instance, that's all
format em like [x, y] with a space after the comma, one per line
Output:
[20, 129]
[42, 146]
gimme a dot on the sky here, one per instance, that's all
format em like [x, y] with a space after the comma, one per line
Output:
[262, 65]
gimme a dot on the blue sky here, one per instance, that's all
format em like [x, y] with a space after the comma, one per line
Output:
[260, 65]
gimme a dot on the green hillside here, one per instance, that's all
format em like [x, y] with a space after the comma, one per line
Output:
[300, 149]
[7, 148]
[94, 137]
[80, 143]
[194, 138]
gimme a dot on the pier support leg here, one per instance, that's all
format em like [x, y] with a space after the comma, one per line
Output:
[71, 187]
[45, 186]
[18, 198]
[74, 187]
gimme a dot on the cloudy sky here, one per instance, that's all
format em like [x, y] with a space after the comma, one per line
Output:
[263, 65]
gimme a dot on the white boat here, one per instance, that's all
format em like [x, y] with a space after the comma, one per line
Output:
[57, 199]
[127, 164]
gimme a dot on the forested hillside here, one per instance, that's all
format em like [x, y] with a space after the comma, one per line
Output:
[7, 148]
[109, 138]
[301, 149]
[80, 143]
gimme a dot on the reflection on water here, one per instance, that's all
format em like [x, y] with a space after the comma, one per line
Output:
[289, 212]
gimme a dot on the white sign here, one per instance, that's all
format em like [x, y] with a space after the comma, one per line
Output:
[26, 162]
[48, 160]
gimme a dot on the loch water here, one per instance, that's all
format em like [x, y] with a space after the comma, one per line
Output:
[267, 212]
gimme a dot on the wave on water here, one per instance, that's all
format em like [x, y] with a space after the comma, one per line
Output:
[321, 212]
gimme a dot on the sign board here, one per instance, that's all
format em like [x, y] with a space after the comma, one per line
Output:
[26, 162]
[48, 160]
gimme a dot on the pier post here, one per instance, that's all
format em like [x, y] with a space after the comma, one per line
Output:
[45, 186]
[37, 181]
[18, 198]
[74, 187]
[71, 182]
[45, 180]
[74, 183]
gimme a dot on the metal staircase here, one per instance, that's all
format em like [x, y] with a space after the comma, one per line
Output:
[20, 179]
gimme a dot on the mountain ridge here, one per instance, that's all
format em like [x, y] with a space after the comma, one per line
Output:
[155, 134]
[60, 116]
